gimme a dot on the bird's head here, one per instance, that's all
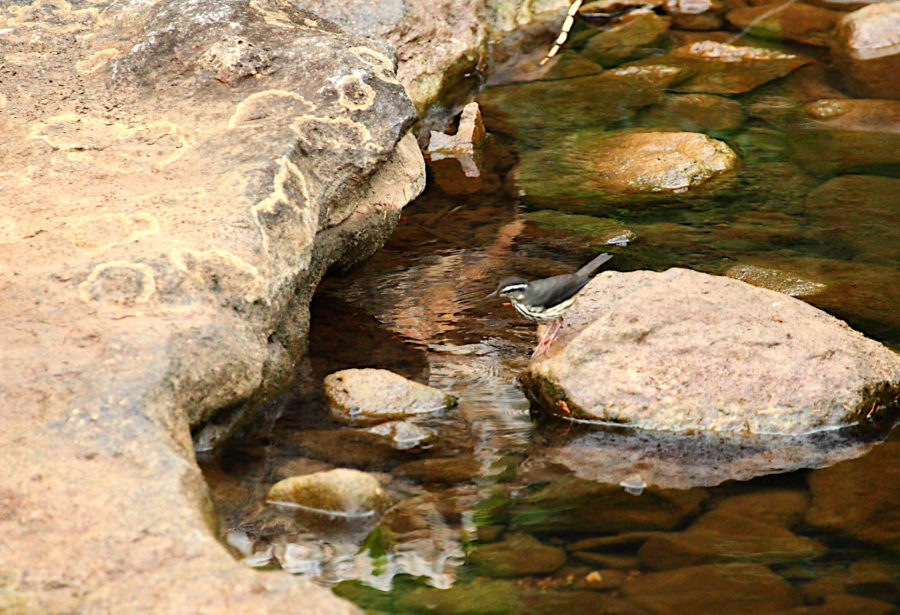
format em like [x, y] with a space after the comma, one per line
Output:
[510, 286]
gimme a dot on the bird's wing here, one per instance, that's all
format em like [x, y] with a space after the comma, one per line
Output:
[551, 291]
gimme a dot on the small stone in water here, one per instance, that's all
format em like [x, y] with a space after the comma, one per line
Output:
[402, 435]
[634, 484]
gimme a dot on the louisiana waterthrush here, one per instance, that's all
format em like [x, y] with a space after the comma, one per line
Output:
[547, 299]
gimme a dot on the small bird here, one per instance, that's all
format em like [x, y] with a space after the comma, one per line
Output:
[547, 299]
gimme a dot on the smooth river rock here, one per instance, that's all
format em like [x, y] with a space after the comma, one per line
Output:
[517, 555]
[721, 68]
[859, 497]
[748, 589]
[869, 50]
[341, 491]
[683, 350]
[588, 167]
[377, 395]
[847, 135]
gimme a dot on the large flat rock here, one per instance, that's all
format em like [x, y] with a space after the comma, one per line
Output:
[176, 178]
[683, 350]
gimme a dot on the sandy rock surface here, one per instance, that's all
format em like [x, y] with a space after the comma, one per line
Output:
[176, 178]
[682, 350]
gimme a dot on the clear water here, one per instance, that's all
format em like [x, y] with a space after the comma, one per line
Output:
[490, 516]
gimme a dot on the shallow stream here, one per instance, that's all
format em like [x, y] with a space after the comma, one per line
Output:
[500, 511]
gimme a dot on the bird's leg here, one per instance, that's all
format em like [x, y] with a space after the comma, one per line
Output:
[547, 338]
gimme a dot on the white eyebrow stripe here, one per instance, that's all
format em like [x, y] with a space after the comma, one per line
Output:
[514, 287]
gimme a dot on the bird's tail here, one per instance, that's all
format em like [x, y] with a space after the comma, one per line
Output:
[594, 264]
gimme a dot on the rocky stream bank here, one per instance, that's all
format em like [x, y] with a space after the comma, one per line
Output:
[178, 176]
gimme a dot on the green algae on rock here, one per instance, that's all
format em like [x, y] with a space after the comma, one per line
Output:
[588, 167]
[517, 555]
[726, 537]
[634, 35]
[377, 395]
[596, 231]
[541, 111]
[694, 113]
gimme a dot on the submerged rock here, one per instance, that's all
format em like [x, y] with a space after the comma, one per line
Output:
[499, 596]
[720, 68]
[712, 589]
[859, 497]
[695, 14]
[571, 504]
[541, 111]
[590, 229]
[518, 555]
[588, 167]
[340, 492]
[726, 537]
[847, 136]
[795, 22]
[682, 350]
[402, 435]
[774, 279]
[695, 113]
[632, 36]
[377, 395]
[869, 50]
[860, 211]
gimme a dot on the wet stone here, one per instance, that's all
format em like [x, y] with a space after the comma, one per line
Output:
[723, 537]
[842, 605]
[606, 560]
[695, 14]
[588, 167]
[632, 36]
[781, 507]
[503, 597]
[859, 497]
[869, 50]
[596, 231]
[377, 395]
[456, 160]
[518, 555]
[695, 113]
[572, 504]
[796, 22]
[402, 435]
[601, 580]
[859, 210]
[774, 279]
[827, 375]
[341, 491]
[539, 112]
[847, 136]
[776, 102]
[447, 471]
[711, 589]
[720, 68]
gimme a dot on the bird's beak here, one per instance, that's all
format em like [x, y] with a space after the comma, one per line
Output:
[493, 294]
